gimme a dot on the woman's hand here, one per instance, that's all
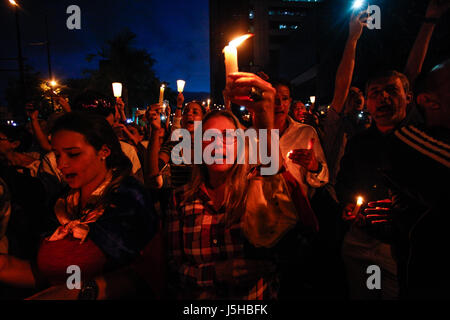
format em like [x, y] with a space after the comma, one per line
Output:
[120, 104]
[239, 89]
[154, 120]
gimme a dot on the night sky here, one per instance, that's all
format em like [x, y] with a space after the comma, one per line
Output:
[175, 33]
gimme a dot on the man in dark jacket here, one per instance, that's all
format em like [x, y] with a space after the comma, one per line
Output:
[389, 101]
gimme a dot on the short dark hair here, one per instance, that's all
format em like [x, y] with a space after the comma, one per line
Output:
[97, 132]
[17, 134]
[282, 82]
[389, 74]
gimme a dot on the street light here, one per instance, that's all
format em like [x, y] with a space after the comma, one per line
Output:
[357, 4]
[19, 47]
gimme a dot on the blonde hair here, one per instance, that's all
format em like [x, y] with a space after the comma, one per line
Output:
[236, 181]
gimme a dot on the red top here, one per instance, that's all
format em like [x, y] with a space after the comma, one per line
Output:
[55, 256]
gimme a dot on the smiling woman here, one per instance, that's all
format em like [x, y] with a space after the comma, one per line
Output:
[105, 219]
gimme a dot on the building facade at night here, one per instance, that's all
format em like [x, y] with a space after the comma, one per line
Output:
[275, 24]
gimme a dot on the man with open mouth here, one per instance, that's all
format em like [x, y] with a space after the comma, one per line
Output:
[389, 101]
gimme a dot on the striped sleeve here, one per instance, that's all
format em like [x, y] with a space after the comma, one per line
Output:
[425, 144]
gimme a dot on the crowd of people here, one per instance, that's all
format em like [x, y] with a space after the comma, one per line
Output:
[86, 189]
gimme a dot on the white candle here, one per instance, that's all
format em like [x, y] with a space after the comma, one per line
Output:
[180, 85]
[231, 62]
[359, 203]
[117, 89]
[161, 94]
[230, 52]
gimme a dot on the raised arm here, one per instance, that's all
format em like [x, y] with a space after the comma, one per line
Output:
[121, 110]
[419, 50]
[41, 137]
[63, 103]
[345, 70]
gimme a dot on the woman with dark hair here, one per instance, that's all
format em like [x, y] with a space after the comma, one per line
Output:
[105, 219]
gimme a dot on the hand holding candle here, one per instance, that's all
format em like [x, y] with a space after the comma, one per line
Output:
[305, 157]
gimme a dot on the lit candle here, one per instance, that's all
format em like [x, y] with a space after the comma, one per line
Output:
[230, 52]
[209, 102]
[359, 203]
[180, 85]
[117, 89]
[161, 94]
[312, 99]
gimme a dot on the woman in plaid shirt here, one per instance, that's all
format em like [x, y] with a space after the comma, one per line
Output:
[208, 252]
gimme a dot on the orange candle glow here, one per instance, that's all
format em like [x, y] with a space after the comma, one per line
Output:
[230, 52]
[359, 202]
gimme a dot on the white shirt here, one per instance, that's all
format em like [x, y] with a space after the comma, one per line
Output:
[131, 153]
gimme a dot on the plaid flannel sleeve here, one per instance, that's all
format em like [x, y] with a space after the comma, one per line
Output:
[201, 275]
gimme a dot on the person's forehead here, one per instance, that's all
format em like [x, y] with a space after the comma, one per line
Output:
[219, 122]
[383, 82]
[68, 137]
[282, 89]
[193, 106]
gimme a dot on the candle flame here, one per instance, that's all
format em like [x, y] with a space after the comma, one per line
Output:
[360, 200]
[237, 42]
